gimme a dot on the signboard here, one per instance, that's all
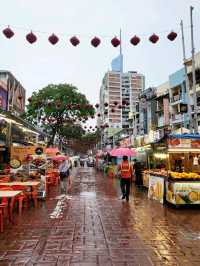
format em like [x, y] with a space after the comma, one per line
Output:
[183, 143]
[183, 192]
[16, 94]
[156, 188]
[166, 111]
[3, 98]
[20, 153]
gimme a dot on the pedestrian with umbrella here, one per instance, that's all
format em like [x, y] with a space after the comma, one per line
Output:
[126, 173]
[64, 170]
[125, 169]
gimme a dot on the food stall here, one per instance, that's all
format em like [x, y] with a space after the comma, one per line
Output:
[177, 181]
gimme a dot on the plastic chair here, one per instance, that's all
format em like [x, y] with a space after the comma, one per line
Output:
[1, 219]
[5, 179]
[22, 197]
[48, 183]
[4, 202]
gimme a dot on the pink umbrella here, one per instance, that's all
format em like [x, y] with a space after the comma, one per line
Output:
[119, 152]
[60, 158]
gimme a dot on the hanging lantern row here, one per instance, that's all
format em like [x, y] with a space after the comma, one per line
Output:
[58, 104]
[95, 42]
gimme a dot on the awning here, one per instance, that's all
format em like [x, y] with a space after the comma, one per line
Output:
[184, 136]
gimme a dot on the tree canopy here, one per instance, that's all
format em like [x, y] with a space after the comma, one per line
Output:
[57, 108]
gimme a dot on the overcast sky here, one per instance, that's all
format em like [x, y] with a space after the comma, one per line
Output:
[37, 65]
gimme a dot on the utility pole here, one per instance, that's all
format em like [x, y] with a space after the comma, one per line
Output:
[186, 78]
[195, 122]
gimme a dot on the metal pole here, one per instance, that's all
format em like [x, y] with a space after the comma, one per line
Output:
[186, 78]
[193, 73]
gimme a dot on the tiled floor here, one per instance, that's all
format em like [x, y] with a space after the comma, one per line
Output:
[95, 228]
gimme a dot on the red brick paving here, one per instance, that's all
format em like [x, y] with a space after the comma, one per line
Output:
[95, 228]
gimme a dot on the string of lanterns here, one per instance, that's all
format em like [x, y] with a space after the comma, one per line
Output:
[95, 41]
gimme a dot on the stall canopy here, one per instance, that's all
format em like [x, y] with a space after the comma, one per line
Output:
[185, 136]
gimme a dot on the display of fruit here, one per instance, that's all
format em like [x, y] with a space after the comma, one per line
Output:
[193, 196]
[176, 175]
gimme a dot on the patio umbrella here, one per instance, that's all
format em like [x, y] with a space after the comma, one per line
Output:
[59, 158]
[119, 152]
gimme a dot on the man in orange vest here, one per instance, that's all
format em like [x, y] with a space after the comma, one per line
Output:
[126, 173]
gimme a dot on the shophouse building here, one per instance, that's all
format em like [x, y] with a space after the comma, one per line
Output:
[178, 100]
[162, 109]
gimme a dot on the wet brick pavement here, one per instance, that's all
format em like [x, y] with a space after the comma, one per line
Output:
[96, 228]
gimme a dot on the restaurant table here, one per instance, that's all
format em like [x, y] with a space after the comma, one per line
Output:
[10, 195]
[26, 183]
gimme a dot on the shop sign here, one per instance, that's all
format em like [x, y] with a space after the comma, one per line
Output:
[166, 111]
[156, 188]
[20, 153]
[16, 95]
[3, 98]
[183, 143]
[183, 192]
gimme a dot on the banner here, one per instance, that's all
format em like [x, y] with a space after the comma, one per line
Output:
[156, 188]
[3, 99]
[183, 143]
[183, 192]
[20, 153]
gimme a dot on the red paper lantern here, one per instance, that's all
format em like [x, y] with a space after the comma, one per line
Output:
[31, 38]
[30, 99]
[92, 117]
[115, 42]
[115, 103]
[119, 106]
[123, 102]
[53, 39]
[8, 32]
[127, 103]
[154, 38]
[95, 42]
[172, 36]
[85, 126]
[112, 110]
[74, 41]
[58, 105]
[97, 105]
[90, 126]
[95, 126]
[98, 115]
[106, 104]
[135, 40]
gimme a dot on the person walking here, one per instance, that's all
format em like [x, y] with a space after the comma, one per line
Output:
[126, 173]
[64, 174]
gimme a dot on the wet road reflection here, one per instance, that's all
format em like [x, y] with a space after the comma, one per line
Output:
[95, 228]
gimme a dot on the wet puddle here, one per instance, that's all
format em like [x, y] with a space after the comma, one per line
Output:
[87, 194]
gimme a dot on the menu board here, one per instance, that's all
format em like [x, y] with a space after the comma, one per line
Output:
[183, 192]
[156, 188]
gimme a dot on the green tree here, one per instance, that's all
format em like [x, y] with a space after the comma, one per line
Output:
[57, 106]
[71, 131]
